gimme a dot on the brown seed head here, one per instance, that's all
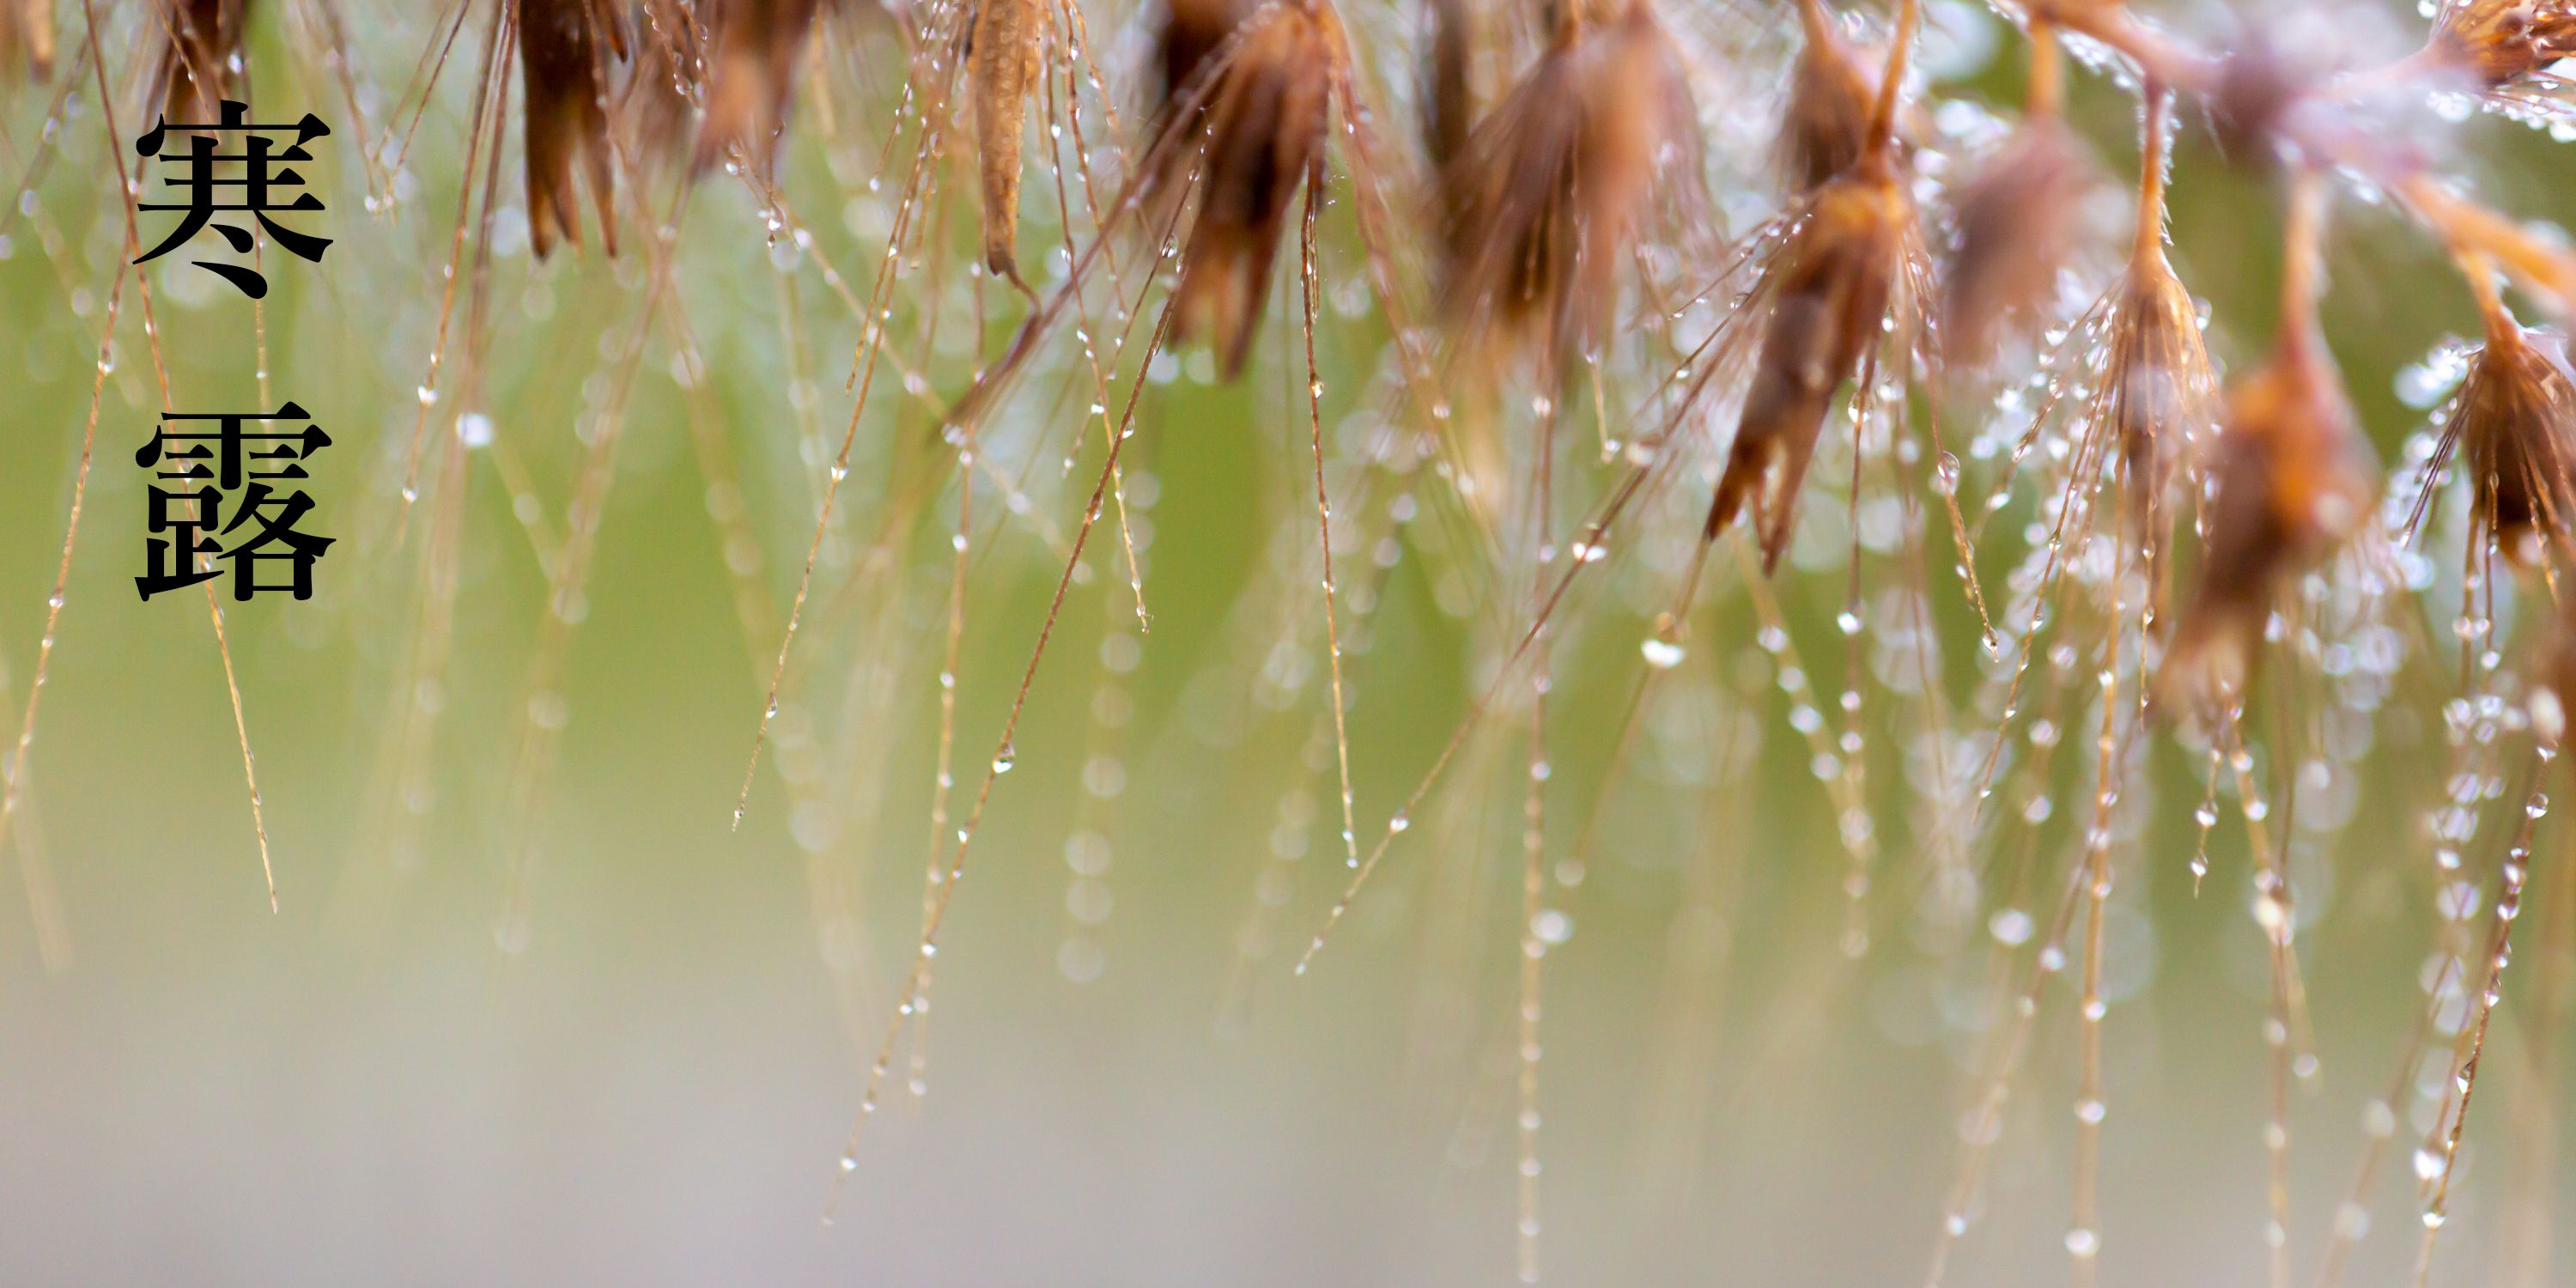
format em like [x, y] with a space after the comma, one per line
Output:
[1832, 88]
[2503, 41]
[2016, 224]
[1263, 133]
[198, 40]
[563, 47]
[752, 77]
[668, 48]
[27, 37]
[1188, 33]
[2295, 478]
[2158, 392]
[1828, 294]
[2259, 85]
[1448, 94]
[1555, 185]
[2516, 418]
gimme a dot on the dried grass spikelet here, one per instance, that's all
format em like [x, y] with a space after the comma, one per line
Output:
[2260, 89]
[2505, 41]
[1001, 69]
[2158, 390]
[2515, 416]
[563, 51]
[198, 40]
[1556, 183]
[2016, 221]
[1186, 34]
[2294, 479]
[751, 77]
[1448, 87]
[27, 37]
[1828, 296]
[1266, 105]
[1832, 88]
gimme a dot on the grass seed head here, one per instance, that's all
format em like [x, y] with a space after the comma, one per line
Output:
[1189, 31]
[563, 45]
[1556, 183]
[2016, 218]
[2159, 389]
[2505, 41]
[2258, 87]
[1832, 88]
[668, 52]
[751, 78]
[198, 41]
[1448, 80]
[2515, 419]
[2294, 479]
[1263, 133]
[1828, 295]
[1187, 34]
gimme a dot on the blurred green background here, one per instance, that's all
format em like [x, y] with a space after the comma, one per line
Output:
[645, 1078]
